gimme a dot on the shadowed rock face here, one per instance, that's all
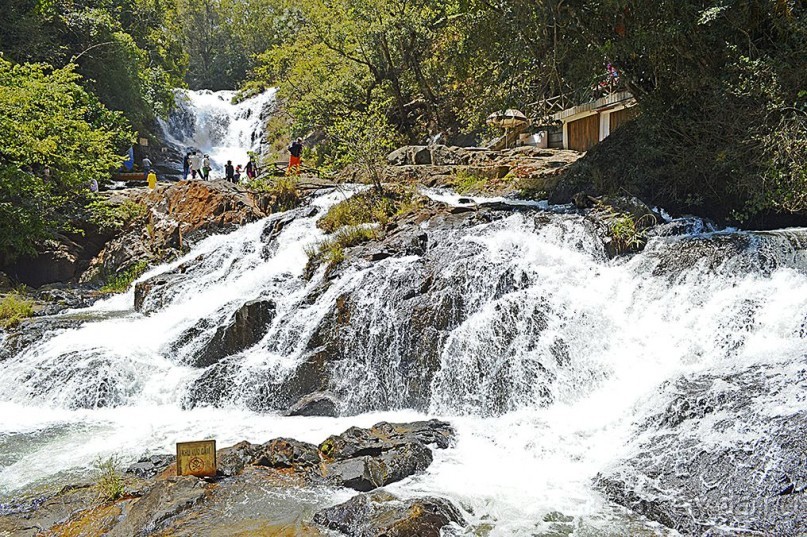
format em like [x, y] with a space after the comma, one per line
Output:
[720, 455]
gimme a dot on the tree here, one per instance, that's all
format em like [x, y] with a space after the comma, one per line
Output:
[55, 138]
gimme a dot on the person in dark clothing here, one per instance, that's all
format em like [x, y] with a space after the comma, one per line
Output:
[229, 171]
[296, 150]
[186, 166]
[251, 170]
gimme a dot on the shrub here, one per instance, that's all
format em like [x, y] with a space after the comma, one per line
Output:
[110, 485]
[370, 207]
[114, 216]
[285, 191]
[119, 282]
[331, 250]
[465, 181]
[13, 309]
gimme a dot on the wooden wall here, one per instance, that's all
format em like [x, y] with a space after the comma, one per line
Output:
[620, 117]
[584, 133]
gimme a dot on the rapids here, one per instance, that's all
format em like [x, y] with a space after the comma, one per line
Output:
[552, 361]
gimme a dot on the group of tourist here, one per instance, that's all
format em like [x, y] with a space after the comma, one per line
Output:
[195, 164]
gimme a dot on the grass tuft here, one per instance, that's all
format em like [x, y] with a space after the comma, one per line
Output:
[110, 485]
[120, 282]
[13, 309]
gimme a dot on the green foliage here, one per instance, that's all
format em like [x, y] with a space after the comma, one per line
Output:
[129, 58]
[120, 281]
[370, 207]
[110, 484]
[331, 250]
[284, 190]
[112, 217]
[364, 140]
[13, 309]
[55, 138]
[465, 182]
[223, 37]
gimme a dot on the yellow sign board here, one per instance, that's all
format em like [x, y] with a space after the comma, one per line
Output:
[196, 458]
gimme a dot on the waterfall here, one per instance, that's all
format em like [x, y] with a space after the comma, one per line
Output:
[209, 122]
[551, 359]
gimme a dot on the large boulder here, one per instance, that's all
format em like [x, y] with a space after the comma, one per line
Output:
[719, 458]
[247, 327]
[316, 404]
[365, 473]
[382, 514]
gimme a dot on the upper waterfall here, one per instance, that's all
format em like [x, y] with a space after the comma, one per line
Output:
[210, 122]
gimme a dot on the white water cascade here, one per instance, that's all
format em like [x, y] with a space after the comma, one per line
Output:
[554, 363]
[209, 122]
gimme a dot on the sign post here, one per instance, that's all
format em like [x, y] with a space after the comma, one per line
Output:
[196, 458]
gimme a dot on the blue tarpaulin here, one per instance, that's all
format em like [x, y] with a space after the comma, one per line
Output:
[129, 162]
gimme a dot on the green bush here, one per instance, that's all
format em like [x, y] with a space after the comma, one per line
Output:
[465, 182]
[285, 191]
[114, 216]
[120, 282]
[331, 250]
[13, 309]
[369, 207]
[110, 485]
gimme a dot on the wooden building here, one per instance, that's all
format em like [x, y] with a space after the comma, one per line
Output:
[587, 124]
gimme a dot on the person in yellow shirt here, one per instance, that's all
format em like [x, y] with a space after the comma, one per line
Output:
[152, 179]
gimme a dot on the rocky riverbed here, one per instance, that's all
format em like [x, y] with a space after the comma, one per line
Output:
[276, 488]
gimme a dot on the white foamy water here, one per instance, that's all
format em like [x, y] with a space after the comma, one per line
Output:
[207, 121]
[552, 356]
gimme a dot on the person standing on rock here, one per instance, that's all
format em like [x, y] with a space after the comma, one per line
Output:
[206, 168]
[186, 166]
[229, 172]
[251, 169]
[296, 150]
[152, 180]
[237, 175]
[196, 165]
[146, 166]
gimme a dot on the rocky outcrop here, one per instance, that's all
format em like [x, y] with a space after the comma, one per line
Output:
[316, 404]
[382, 514]
[246, 328]
[718, 458]
[260, 490]
[177, 215]
[527, 170]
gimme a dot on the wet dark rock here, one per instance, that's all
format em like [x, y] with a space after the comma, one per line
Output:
[364, 459]
[148, 467]
[365, 473]
[248, 326]
[316, 404]
[164, 501]
[59, 297]
[152, 295]
[382, 514]
[431, 432]
[287, 453]
[35, 330]
[718, 458]
[44, 512]
[232, 460]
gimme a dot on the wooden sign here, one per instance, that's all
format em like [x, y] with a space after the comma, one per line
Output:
[196, 458]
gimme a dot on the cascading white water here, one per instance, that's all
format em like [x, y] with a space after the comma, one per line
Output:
[209, 122]
[544, 379]
[548, 357]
